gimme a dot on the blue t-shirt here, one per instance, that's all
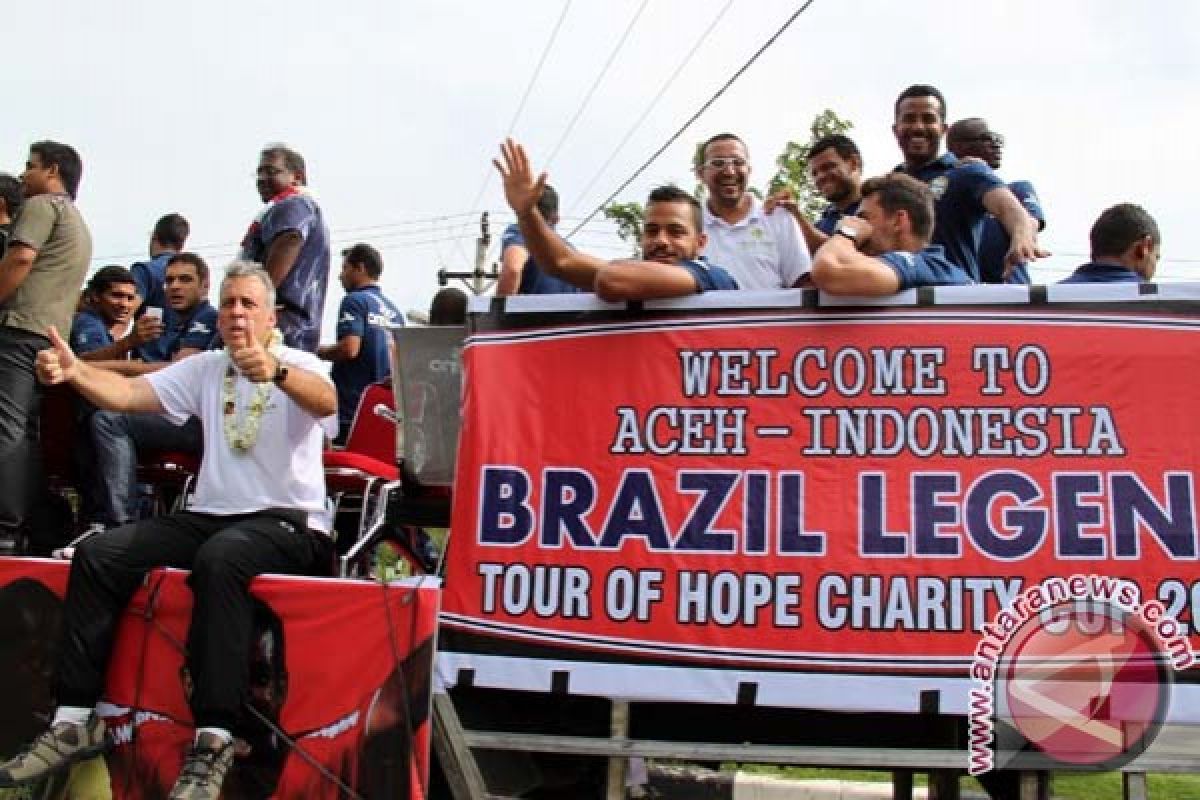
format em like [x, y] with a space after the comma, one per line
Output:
[832, 215]
[958, 190]
[1097, 272]
[930, 267]
[198, 329]
[301, 296]
[533, 280]
[150, 277]
[994, 244]
[89, 332]
[362, 313]
[709, 277]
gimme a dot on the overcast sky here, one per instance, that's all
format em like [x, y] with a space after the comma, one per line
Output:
[398, 107]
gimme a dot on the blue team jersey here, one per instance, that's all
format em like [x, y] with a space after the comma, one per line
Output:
[1097, 272]
[196, 330]
[150, 276]
[709, 277]
[958, 191]
[994, 243]
[832, 215]
[930, 267]
[533, 280]
[89, 332]
[302, 293]
[362, 313]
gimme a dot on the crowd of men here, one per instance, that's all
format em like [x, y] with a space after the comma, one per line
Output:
[156, 367]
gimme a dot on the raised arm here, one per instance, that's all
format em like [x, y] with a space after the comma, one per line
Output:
[1021, 227]
[839, 267]
[103, 388]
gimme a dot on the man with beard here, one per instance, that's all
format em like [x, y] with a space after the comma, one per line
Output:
[672, 240]
[971, 138]
[965, 193]
[835, 168]
[762, 249]
[886, 248]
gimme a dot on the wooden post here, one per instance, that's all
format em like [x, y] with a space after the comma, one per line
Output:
[902, 784]
[943, 785]
[1133, 786]
[617, 764]
[450, 744]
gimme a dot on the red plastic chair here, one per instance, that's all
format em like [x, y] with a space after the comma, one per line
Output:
[368, 459]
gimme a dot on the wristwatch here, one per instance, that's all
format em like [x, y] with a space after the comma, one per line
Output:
[848, 232]
[281, 373]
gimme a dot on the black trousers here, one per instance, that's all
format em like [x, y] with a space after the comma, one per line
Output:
[224, 554]
[20, 395]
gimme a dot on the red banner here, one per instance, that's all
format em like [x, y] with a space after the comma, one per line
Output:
[814, 491]
[341, 672]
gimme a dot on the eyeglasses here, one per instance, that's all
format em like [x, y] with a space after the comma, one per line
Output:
[987, 138]
[722, 163]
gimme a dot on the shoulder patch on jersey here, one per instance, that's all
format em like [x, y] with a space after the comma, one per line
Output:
[938, 186]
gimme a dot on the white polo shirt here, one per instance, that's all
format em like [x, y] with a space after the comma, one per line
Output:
[761, 251]
[284, 468]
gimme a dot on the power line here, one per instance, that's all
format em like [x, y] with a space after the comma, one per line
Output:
[587, 98]
[697, 115]
[653, 103]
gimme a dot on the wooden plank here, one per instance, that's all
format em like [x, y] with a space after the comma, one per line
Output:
[454, 754]
[619, 728]
[878, 758]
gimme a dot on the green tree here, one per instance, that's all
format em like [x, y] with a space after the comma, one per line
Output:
[629, 218]
[792, 163]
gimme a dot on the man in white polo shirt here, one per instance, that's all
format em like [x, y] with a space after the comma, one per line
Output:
[259, 507]
[762, 251]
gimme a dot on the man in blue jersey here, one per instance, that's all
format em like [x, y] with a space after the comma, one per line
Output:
[168, 238]
[103, 329]
[971, 138]
[964, 193]
[672, 239]
[519, 273]
[1126, 246]
[117, 437]
[886, 248]
[362, 354]
[290, 239]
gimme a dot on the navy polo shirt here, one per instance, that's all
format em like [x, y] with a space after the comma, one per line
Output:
[533, 280]
[958, 189]
[196, 330]
[150, 276]
[89, 332]
[1098, 272]
[709, 277]
[994, 244]
[930, 267]
[362, 313]
[832, 215]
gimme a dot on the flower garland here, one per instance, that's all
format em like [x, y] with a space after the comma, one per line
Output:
[241, 430]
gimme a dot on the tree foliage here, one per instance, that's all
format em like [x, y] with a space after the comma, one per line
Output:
[791, 173]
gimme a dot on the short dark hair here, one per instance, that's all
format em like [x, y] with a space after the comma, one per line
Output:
[844, 145]
[900, 192]
[196, 261]
[106, 277]
[291, 159]
[172, 231]
[10, 193]
[1119, 227]
[547, 204]
[722, 137]
[449, 307]
[921, 90]
[670, 193]
[365, 256]
[63, 156]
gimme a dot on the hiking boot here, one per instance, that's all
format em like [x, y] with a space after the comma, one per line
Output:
[58, 748]
[204, 769]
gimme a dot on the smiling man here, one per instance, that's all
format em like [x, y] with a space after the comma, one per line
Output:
[259, 507]
[965, 193]
[761, 249]
[672, 240]
[290, 239]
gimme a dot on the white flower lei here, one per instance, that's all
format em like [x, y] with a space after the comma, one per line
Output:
[242, 431]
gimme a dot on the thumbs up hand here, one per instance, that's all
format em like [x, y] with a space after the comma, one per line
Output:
[251, 358]
[57, 364]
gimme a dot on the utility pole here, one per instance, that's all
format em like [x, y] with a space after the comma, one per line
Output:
[478, 280]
